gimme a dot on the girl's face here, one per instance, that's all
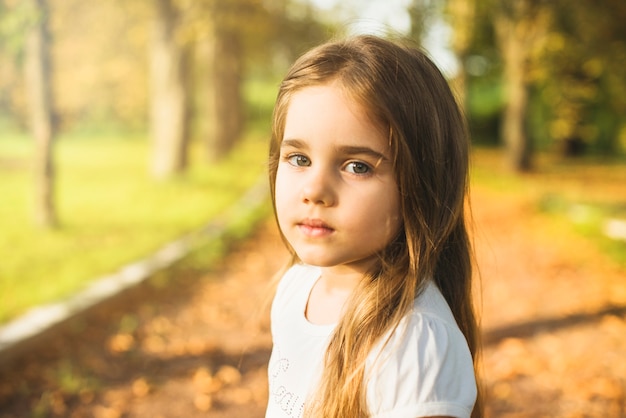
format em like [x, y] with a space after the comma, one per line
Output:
[336, 196]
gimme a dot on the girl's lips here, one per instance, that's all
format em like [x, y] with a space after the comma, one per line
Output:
[315, 228]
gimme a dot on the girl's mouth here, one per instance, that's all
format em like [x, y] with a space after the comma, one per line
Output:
[315, 228]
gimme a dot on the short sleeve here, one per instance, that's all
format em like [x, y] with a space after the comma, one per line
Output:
[425, 369]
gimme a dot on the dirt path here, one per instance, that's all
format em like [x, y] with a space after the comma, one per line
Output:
[554, 318]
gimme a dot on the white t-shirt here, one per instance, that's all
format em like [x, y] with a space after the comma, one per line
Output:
[424, 370]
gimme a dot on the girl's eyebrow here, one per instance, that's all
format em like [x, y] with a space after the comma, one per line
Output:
[357, 150]
[294, 143]
[342, 149]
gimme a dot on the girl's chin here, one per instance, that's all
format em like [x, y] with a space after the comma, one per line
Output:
[325, 262]
[315, 260]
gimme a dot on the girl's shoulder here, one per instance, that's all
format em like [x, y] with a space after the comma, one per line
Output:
[429, 329]
[429, 325]
[428, 359]
[431, 303]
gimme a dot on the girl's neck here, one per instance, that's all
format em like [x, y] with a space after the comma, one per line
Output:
[341, 278]
[330, 294]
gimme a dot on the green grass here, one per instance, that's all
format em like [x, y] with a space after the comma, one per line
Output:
[589, 218]
[111, 211]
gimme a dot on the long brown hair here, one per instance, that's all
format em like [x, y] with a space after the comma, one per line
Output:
[406, 94]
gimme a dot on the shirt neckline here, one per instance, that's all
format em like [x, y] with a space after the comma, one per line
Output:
[313, 274]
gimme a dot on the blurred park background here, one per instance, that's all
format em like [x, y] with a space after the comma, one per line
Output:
[127, 124]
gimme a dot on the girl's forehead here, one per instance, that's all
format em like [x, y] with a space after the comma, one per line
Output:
[325, 103]
[318, 97]
[324, 117]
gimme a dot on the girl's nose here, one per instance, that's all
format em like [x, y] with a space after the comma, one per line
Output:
[318, 189]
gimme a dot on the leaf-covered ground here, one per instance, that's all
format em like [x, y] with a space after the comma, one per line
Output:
[553, 317]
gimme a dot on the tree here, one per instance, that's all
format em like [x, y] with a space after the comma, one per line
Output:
[236, 40]
[220, 52]
[421, 13]
[200, 54]
[461, 14]
[37, 68]
[582, 78]
[520, 25]
[561, 66]
[169, 121]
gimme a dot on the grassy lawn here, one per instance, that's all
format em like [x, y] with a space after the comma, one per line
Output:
[111, 211]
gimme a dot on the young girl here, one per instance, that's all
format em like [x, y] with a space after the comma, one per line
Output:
[368, 172]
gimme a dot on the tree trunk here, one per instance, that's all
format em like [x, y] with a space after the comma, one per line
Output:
[224, 107]
[516, 33]
[38, 75]
[169, 95]
[462, 14]
[513, 131]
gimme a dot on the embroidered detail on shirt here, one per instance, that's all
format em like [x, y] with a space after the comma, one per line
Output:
[288, 401]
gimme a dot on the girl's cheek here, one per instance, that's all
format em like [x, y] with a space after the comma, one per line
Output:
[283, 178]
[283, 184]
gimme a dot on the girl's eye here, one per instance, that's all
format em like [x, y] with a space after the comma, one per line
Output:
[356, 167]
[299, 160]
